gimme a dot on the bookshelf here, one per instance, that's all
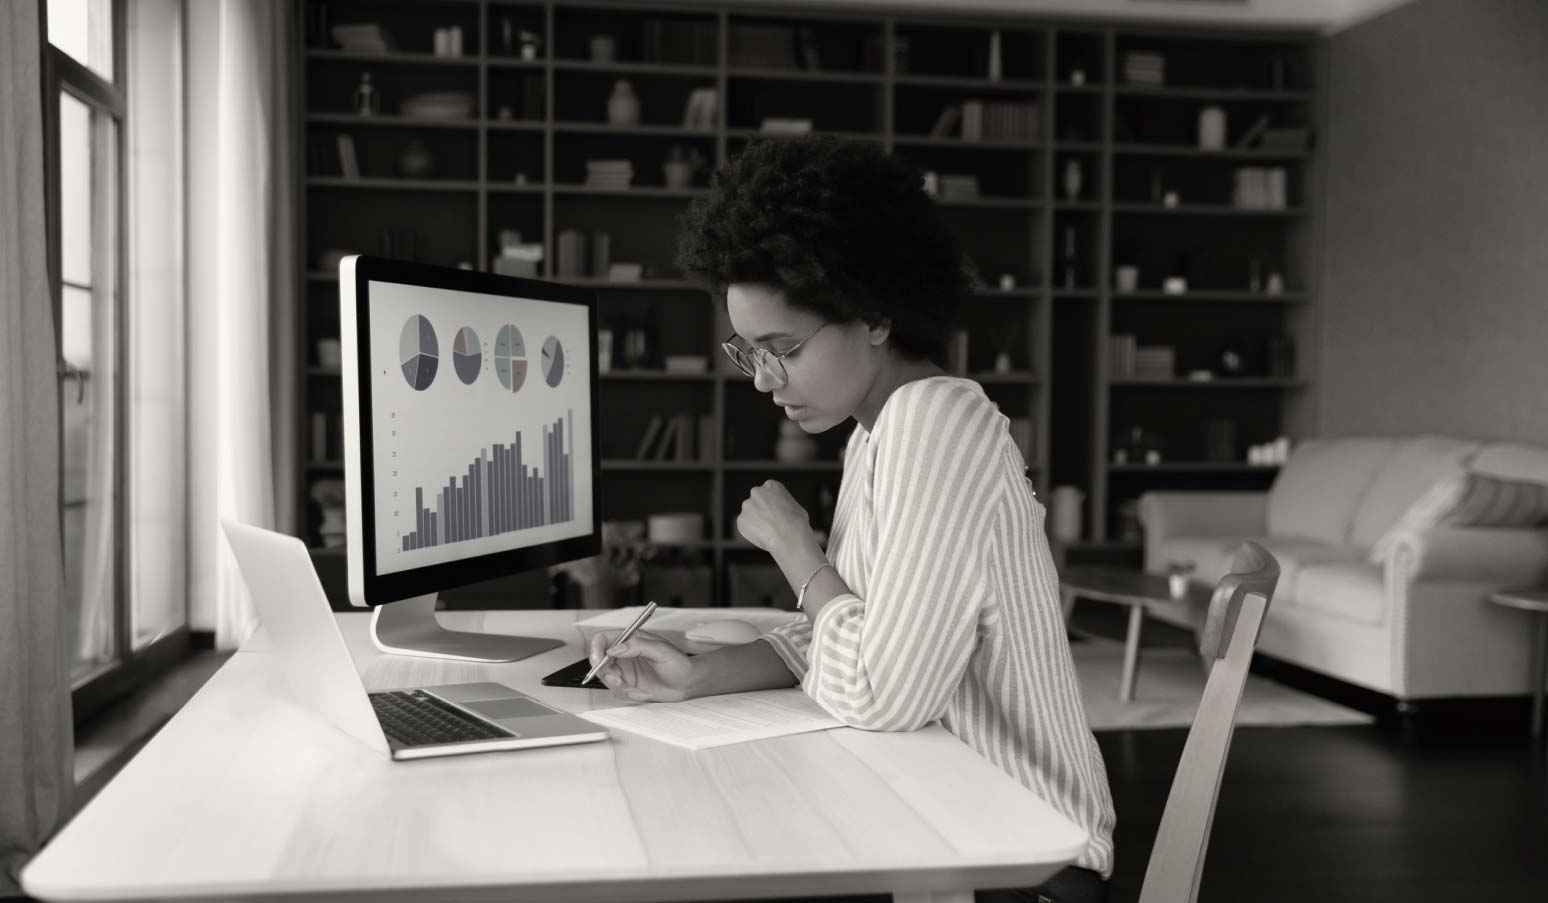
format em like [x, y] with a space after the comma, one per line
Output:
[540, 112]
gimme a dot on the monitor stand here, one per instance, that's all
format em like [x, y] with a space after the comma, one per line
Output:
[409, 627]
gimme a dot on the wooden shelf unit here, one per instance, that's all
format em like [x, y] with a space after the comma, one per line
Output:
[874, 89]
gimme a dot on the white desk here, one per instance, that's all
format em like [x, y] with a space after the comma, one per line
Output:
[246, 795]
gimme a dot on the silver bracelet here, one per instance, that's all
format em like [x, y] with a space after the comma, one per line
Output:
[801, 597]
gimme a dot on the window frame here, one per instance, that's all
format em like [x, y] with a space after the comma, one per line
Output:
[62, 73]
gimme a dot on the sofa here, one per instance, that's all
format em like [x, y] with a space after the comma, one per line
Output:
[1416, 623]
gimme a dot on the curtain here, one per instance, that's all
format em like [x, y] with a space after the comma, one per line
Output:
[241, 346]
[36, 733]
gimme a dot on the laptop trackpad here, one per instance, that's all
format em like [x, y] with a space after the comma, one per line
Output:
[508, 708]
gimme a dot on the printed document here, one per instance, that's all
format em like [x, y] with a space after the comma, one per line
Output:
[720, 720]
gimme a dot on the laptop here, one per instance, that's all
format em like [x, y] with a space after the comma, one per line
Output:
[418, 723]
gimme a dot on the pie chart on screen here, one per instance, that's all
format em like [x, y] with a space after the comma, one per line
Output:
[467, 357]
[418, 351]
[510, 358]
[553, 361]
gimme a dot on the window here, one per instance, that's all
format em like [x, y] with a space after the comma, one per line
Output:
[127, 628]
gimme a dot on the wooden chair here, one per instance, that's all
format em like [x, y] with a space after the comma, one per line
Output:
[1227, 639]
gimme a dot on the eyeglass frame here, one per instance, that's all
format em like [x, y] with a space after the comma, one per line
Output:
[761, 356]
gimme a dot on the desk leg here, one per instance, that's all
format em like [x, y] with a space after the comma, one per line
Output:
[1131, 653]
[1539, 674]
[940, 896]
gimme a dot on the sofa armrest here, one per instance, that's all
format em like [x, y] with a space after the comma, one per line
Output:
[1499, 556]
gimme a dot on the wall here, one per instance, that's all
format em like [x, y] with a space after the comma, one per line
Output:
[1434, 295]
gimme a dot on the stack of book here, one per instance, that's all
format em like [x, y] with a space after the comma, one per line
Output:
[1144, 68]
[1155, 363]
[1260, 188]
[785, 125]
[615, 174]
[363, 37]
[999, 120]
[1120, 355]
[958, 187]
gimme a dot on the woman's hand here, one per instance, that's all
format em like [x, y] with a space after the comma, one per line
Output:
[772, 518]
[647, 668]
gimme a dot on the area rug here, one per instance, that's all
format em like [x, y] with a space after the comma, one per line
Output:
[1167, 692]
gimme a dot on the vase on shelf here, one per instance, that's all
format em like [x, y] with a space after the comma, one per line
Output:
[623, 108]
[367, 101]
[1074, 177]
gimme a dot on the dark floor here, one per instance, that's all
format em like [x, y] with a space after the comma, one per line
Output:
[1446, 810]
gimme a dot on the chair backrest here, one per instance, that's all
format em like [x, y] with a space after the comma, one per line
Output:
[1229, 635]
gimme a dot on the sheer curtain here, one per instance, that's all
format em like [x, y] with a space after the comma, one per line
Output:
[240, 345]
[36, 742]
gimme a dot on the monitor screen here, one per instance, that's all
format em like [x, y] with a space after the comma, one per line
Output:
[475, 398]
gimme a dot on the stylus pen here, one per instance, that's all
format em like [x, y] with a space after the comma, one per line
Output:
[607, 656]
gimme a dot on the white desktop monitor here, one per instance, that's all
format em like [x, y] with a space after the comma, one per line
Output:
[470, 448]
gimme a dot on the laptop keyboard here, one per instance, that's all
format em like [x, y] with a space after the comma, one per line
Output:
[415, 718]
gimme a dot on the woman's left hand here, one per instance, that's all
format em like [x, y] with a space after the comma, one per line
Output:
[772, 518]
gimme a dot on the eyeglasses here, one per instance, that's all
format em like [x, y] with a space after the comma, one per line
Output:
[749, 360]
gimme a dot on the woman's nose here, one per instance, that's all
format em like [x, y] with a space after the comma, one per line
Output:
[763, 381]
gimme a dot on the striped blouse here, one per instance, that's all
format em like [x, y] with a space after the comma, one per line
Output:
[954, 612]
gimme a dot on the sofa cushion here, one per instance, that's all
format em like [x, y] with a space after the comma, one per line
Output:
[1211, 555]
[1493, 502]
[1316, 494]
[1351, 589]
[1512, 462]
[1414, 466]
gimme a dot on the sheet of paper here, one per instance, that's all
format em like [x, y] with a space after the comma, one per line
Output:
[720, 720]
[681, 619]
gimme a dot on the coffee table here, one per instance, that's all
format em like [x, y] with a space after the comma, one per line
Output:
[1136, 589]
[1533, 599]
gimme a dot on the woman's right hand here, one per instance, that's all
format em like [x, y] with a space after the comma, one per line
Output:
[645, 669]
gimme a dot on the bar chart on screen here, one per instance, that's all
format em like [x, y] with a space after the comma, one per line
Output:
[499, 492]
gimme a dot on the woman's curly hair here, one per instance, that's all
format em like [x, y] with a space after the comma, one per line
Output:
[844, 229]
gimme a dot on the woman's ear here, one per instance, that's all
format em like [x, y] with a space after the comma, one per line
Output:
[878, 332]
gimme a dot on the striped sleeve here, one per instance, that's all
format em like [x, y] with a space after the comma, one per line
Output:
[893, 660]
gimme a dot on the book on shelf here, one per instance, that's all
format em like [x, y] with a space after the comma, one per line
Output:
[663, 449]
[349, 167]
[601, 247]
[709, 434]
[1260, 188]
[951, 114]
[648, 441]
[1253, 132]
[687, 432]
[1120, 355]
[999, 120]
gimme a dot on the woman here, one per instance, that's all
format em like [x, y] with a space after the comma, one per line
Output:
[936, 598]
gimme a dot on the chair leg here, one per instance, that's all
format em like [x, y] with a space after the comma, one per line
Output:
[1131, 653]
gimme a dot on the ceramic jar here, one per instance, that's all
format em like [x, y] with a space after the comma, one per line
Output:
[623, 108]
